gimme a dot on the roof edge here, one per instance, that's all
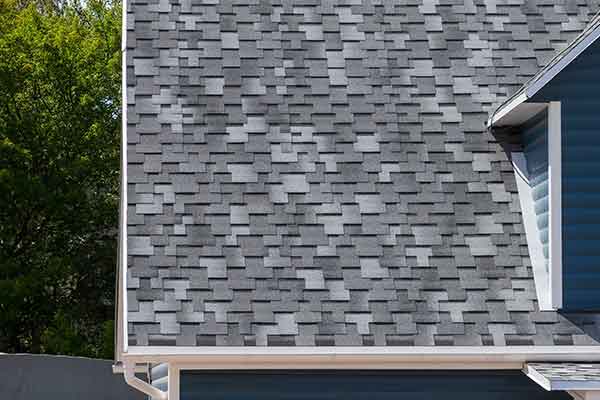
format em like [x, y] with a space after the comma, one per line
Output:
[330, 357]
[121, 341]
[585, 39]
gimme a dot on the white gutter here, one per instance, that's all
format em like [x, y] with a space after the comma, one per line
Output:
[137, 383]
[346, 357]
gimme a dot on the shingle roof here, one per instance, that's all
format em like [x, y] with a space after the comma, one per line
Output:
[311, 172]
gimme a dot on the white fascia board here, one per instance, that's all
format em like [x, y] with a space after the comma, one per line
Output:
[534, 243]
[560, 384]
[555, 203]
[347, 357]
[572, 54]
[517, 115]
[506, 109]
[538, 378]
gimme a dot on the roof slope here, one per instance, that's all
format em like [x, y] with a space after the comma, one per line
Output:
[311, 172]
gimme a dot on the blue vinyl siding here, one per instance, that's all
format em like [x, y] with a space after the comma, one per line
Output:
[353, 385]
[535, 147]
[578, 89]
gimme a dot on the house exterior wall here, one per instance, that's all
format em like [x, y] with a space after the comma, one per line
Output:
[354, 385]
[577, 87]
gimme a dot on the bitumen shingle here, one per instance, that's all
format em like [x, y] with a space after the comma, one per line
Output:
[319, 173]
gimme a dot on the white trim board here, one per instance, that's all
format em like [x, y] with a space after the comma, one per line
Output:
[555, 203]
[375, 357]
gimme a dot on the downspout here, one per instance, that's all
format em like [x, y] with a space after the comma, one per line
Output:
[137, 383]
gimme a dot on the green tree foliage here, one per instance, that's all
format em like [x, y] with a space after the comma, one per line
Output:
[59, 164]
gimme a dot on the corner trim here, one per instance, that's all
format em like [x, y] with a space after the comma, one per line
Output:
[173, 379]
[555, 203]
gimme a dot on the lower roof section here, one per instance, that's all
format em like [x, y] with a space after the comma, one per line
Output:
[565, 376]
[376, 357]
[319, 173]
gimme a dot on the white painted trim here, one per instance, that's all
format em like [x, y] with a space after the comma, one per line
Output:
[571, 55]
[506, 109]
[534, 242]
[538, 378]
[555, 203]
[122, 330]
[520, 114]
[173, 382]
[560, 384]
[347, 357]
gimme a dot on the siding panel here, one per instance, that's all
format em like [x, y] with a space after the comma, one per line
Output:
[353, 385]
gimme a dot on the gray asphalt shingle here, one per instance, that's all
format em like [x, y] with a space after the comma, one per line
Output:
[318, 173]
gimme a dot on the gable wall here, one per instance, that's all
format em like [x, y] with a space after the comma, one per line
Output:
[578, 89]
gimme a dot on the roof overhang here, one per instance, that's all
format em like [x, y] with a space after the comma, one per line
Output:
[515, 113]
[345, 357]
[517, 110]
[580, 380]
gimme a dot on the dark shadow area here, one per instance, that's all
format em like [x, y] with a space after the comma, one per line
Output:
[36, 377]
[588, 322]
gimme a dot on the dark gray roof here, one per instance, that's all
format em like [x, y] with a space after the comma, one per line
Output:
[319, 173]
